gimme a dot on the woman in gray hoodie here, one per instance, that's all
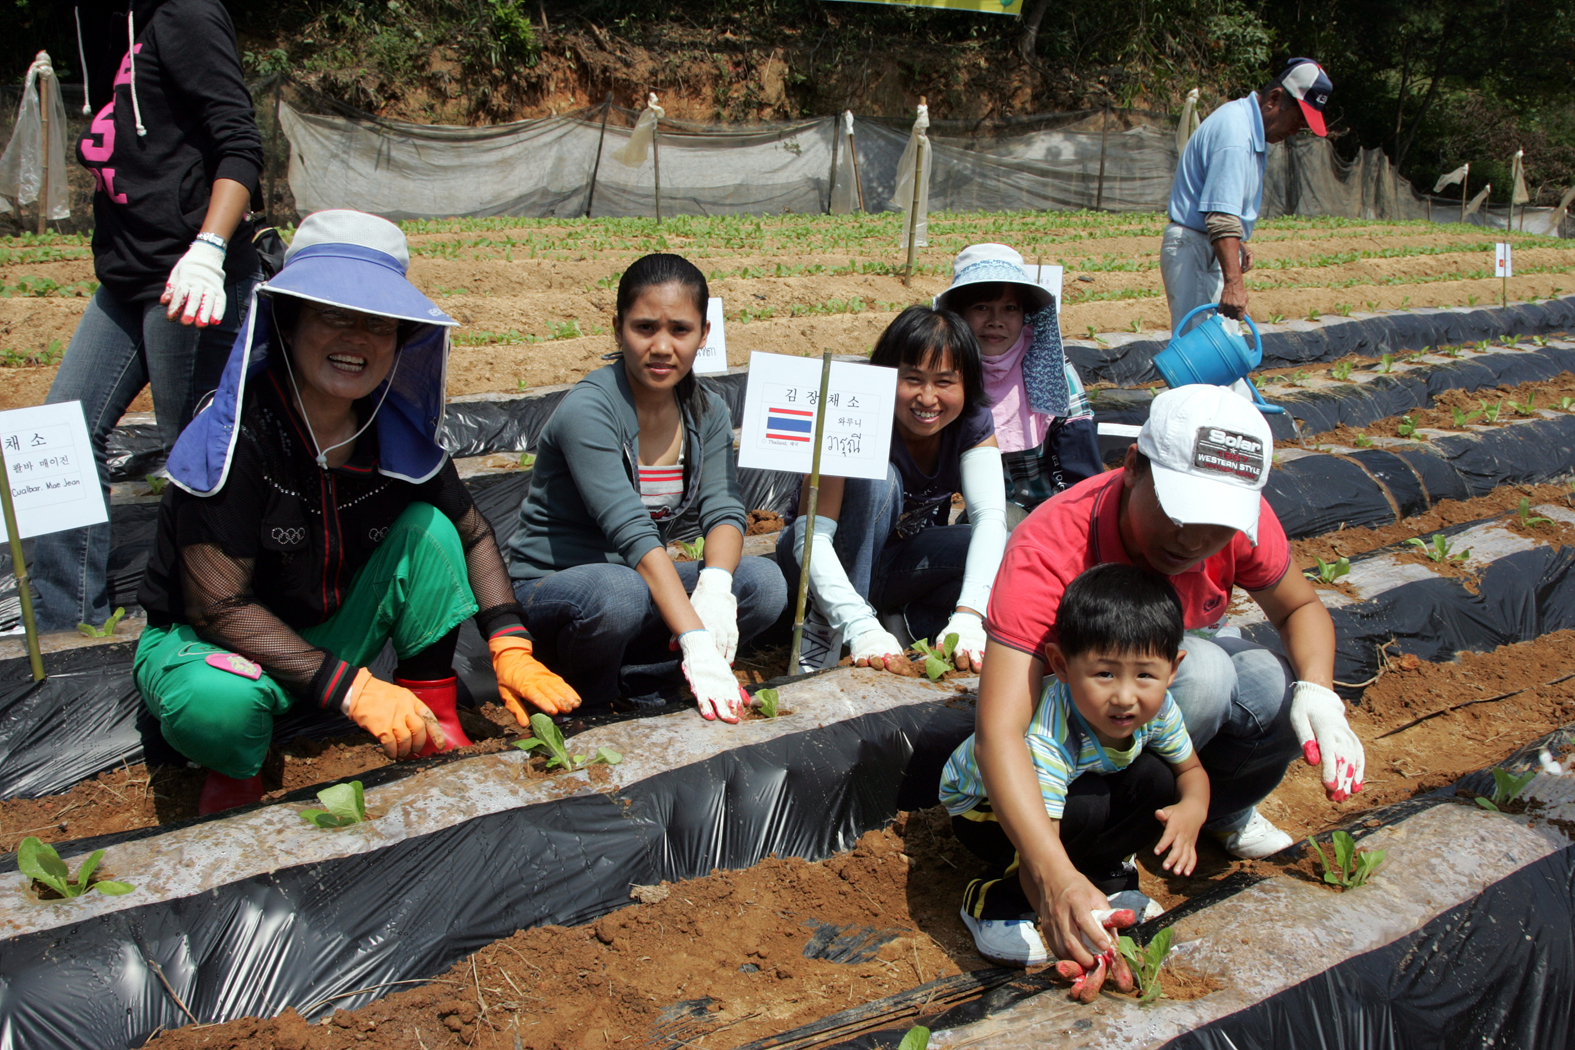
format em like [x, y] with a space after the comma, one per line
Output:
[627, 452]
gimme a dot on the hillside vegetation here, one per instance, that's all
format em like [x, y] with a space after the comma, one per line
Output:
[1433, 82]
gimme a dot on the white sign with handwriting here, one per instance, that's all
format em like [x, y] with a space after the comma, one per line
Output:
[49, 466]
[779, 416]
[713, 355]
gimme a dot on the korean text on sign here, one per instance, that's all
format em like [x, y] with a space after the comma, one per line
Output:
[780, 402]
[49, 466]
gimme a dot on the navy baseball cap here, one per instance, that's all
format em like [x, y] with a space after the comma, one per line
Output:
[1306, 82]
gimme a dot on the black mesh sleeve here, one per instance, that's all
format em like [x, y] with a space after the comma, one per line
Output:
[219, 603]
[498, 611]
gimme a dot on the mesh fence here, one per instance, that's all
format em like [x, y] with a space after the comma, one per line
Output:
[321, 154]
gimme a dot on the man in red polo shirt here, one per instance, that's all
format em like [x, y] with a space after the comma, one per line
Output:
[1187, 503]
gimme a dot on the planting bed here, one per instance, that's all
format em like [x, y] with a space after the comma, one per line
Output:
[741, 956]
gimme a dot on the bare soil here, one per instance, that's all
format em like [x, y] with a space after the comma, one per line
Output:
[505, 294]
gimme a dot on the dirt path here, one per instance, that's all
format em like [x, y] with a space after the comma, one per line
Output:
[536, 297]
[727, 956]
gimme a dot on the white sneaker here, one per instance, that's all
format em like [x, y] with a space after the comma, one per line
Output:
[1256, 839]
[1015, 942]
[821, 647]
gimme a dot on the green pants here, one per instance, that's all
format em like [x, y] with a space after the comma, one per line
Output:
[414, 590]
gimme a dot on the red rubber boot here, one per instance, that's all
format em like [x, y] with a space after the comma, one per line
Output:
[220, 793]
[439, 695]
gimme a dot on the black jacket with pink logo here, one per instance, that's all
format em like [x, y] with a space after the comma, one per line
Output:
[190, 99]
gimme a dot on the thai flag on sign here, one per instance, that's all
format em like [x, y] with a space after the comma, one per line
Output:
[789, 424]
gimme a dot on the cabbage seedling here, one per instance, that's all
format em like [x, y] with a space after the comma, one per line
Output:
[87, 630]
[1329, 571]
[1528, 519]
[1386, 364]
[39, 862]
[1146, 961]
[694, 551]
[550, 739]
[766, 701]
[1462, 417]
[1342, 371]
[346, 805]
[937, 658]
[1490, 412]
[1406, 427]
[1440, 549]
[1506, 788]
[1352, 867]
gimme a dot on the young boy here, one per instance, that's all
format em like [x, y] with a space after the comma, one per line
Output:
[1113, 760]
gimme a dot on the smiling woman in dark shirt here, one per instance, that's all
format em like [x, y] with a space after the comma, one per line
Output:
[315, 518]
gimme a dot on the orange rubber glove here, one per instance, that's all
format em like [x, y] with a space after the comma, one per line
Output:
[523, 677]
[393, 714]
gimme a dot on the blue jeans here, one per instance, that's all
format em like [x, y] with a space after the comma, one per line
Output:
[117, 349]
[919, 576]
[597, 626]
[1235, 696]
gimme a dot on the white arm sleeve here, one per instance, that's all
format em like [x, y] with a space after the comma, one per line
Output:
[833, 592]
[984, 494]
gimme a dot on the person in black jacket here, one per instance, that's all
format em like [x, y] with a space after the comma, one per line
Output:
[175, 155]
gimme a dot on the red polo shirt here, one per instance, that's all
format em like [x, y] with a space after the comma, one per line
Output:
[1080, 528]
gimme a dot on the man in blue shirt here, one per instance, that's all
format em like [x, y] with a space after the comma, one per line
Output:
[1218, 189]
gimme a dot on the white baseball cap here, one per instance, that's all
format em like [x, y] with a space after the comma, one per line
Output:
[1210, 452]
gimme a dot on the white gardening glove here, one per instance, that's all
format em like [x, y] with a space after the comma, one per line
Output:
[717, 608]
[1318, 720]
[717, 692]
[878, 644]
[195, 288]
[969, 629]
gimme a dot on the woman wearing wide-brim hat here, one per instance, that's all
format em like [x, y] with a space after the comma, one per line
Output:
[315, 518]
[1042, 417]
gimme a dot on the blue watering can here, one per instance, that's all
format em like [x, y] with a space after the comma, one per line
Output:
[1210, 354]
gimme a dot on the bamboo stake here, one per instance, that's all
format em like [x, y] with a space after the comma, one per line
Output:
[19, 569]
[1465, 192]
[913, 212]
[809, 524]
[1104, 132]
[590, 197]
[656, 160]
[44, 80]
[858, 182]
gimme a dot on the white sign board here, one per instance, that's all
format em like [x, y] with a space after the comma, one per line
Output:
[779, 416]
[713, 355]
[1049, 278]
[49, 466]
[1503, 266]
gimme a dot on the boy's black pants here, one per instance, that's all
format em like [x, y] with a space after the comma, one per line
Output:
[1108, 817]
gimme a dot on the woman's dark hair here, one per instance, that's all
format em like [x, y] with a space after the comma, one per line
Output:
[921, 336]
[653, 271]
[985, 292]
[1119, 609]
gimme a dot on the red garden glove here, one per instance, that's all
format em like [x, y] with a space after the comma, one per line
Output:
[393, 714]
[1108, 964]
[523, 677]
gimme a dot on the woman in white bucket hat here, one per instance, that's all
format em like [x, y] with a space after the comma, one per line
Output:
[1042, 418]
[315, 518]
